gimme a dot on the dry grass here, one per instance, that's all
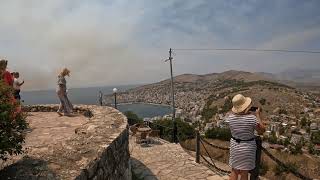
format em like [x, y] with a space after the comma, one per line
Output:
[308, 166]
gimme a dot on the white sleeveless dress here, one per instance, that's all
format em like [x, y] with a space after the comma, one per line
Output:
[243, 154]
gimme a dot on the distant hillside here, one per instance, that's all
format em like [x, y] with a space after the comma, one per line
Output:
[301, 75]
[192, 92]
[300, 78]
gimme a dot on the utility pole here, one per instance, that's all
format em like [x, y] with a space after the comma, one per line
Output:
[174, 138]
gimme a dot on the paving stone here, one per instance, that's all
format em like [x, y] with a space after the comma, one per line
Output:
[215, 177]
[169, 162]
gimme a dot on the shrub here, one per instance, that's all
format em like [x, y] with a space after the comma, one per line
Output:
[226, 106]
[219, 133]
[264, 168]
[303, 122]
[278, 170]
[283, 111]
[132, 118]
[208, 112]
[12, 124]
[315, 137]
[311, 148]
[273, 138]
[296, 149]
[185, 131]
[286, 142]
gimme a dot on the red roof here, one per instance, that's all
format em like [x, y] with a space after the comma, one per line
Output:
[276, 146]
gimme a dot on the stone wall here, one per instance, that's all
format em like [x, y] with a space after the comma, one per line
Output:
[99, 148]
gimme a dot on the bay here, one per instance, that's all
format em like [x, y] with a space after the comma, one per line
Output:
[89, 96]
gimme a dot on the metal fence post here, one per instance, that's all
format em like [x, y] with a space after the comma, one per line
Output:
[197, 147]
[254, 174]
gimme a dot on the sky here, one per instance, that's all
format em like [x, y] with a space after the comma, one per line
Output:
[118, 42]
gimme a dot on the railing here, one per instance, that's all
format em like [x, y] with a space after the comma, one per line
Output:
[201, 142]
[254, 174]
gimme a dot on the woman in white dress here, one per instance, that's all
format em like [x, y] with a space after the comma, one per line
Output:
[65, 107]
[243, 123]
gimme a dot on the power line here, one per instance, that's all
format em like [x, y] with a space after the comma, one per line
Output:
[249, 49]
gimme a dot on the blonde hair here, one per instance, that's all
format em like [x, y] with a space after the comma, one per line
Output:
[65, 72]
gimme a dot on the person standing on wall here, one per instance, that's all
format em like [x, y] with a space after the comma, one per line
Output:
[66, 107]
[17, 86]
[100, 98]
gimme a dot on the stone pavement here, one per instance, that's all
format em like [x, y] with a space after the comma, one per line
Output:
[77, 147]
[167, 161]
[46, 129]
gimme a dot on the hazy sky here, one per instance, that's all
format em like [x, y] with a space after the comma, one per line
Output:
[111, 42]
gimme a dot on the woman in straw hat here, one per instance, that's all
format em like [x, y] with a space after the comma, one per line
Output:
[65, 107]
[243, 147]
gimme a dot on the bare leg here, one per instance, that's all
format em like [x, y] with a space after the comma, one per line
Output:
[234, 174]
[244, 175]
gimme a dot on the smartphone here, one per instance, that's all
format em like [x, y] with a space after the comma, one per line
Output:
[253, 109]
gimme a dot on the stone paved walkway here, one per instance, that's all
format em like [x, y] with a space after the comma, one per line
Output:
[167, 161]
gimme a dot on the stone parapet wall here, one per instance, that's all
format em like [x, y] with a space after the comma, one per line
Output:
[82, 109]
[99, 149]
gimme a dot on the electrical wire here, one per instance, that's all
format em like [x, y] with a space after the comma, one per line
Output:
[248, 49]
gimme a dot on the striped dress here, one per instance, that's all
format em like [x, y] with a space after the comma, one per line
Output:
[243, 154]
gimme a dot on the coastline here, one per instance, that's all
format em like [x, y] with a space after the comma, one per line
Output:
[155, 104]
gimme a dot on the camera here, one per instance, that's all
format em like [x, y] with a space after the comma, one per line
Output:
[254, 109]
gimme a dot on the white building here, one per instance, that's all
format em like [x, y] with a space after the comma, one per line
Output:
[314, 127]
[208, 126]
[222, 124]
[295, 138]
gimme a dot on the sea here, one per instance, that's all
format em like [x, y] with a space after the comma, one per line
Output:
[89, 96]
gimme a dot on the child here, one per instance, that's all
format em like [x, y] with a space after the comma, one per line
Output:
[17, 85]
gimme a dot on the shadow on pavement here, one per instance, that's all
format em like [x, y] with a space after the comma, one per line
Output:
[28, 168]
[141, 171]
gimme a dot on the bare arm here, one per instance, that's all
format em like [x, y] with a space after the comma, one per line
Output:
[260, 126]
[21, 83]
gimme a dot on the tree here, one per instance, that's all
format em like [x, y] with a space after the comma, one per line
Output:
[226, 106]
[303, 122]
[208, 112]
[286, 142]
[219, 133]
[311, 148]
[132, 118]
[315, 137]
[273, 138]
[296, 149]
[185, 131]
[283, 111]
[12, 124]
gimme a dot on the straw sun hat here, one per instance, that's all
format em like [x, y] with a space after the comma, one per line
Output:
[240, 103]
[65, 72]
